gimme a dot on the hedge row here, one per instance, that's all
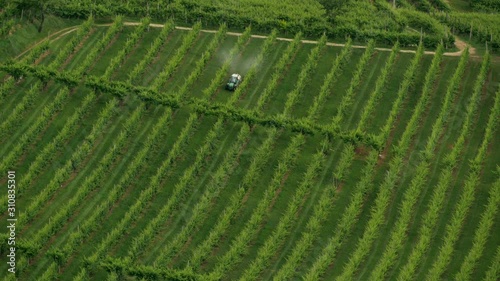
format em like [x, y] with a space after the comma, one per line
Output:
[121, 89]
[124, 267]
[213, 14]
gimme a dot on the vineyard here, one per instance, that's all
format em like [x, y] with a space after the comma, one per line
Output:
[327, 163]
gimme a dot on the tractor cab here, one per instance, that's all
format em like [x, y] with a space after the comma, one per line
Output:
[233, 82]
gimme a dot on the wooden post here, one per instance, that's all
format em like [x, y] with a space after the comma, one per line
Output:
[470, 34]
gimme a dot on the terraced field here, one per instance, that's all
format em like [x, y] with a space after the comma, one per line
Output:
[337, 163]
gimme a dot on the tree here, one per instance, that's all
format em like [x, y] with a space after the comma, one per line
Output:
[33, 10]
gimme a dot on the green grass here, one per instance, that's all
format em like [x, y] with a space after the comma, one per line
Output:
[241, 63]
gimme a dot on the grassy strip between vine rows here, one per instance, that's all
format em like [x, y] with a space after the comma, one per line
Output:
[482, 233]
[129, 45]
[379, 87]
[48, 151]
[240, 243]
[152, 51]
[454, 227]
[378, 210]
[173, 62]
[91, 57]
[132, 169]
[304, 76]
[17, 113]
[41, 121]
[398, 234]
[494, 270]
[272, 244]
[60, 177]
[258, 216]
[260, 158]
[147, 194]
[431, 216]
[70, 47]
[356, 79]
[350, 216]
[91, 181]
[188, 176]
[214, 187]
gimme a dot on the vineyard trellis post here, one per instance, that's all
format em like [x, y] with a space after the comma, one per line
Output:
[470, 33]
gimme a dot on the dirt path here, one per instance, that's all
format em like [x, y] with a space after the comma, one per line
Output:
[59, 34]
[458, 43]
[461, 45]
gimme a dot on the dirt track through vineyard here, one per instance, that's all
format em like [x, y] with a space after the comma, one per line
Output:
[461, 45]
